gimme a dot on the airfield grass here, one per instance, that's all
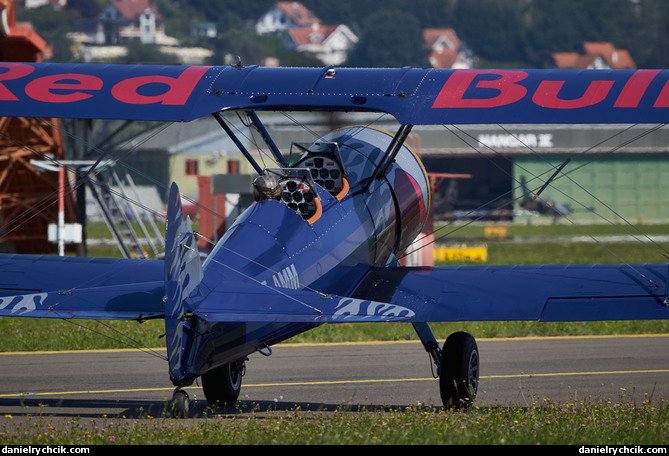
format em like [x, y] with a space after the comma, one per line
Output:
[585, 422]
[625, 420]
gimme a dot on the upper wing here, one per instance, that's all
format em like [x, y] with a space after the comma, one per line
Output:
[541, 293]
[68, 287]
[412, 96]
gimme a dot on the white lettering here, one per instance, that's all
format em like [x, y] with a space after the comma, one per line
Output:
[509, 141]
[287, 278]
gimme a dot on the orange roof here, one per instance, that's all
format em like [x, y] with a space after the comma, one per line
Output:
[298, 13]
[615, 58]
[444, 59]
[430, 37]
[131, 9]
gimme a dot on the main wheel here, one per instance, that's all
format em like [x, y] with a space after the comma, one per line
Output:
[221, 385]
[180, 404]
[459, 377]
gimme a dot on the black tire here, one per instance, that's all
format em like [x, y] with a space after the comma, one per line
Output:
[221, 385]
[459, 377]
[180, 404]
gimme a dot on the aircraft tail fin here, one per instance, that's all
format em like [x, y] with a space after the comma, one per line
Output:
[183, 273]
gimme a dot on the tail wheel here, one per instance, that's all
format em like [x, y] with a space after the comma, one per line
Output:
[221, 385]
[459, 377]
[180, 404]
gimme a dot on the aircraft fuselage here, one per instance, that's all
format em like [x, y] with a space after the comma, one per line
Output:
[271, 244]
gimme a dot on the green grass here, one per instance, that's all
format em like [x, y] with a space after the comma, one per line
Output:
[589, 422]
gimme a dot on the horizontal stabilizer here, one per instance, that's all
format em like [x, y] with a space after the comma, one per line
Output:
[530, 293]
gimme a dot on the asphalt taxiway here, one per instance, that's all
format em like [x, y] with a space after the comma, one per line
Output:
[514, 372]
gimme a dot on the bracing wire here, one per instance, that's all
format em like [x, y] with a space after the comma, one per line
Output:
[460, 133]
[659, 248]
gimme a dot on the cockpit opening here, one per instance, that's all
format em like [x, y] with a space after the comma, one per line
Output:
[323, 161]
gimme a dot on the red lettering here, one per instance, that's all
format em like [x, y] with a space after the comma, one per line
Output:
[179, 88]
[16, 71]
[547, 95]
[634, 89]
[41, 89]
[453, 91]
[663, 98]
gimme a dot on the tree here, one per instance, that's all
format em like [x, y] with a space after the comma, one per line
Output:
[493, 29]
[565, 25]
[389, 38]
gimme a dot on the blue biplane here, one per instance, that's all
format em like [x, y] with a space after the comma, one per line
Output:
[321, 243]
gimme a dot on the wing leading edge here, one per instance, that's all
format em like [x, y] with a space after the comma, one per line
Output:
[413, 96]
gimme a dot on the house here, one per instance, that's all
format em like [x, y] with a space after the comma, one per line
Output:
[204, 29]
[328, 43]
[105, 39]
[124, 20]
[446, 50]
[595, 56]
[305, 33]
[284, 16]
[30, 4]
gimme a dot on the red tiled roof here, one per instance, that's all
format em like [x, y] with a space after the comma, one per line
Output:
[615, 58]
[298, 13]
[131, 9]
[430, 36]
[444, 59]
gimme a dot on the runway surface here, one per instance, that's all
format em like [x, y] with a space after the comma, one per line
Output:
[132, 383]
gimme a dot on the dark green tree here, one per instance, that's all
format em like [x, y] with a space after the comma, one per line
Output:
[389, 38]
[563, 26]
[493, 29]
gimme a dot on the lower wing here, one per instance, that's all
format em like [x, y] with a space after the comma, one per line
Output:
[59, 287]
[541, 293]
[500, 293]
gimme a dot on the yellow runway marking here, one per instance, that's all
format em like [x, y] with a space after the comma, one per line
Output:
[339, 382]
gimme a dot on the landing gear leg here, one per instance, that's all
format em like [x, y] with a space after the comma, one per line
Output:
[429, 343]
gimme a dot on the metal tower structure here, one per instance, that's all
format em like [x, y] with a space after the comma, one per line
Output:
[28, 195]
